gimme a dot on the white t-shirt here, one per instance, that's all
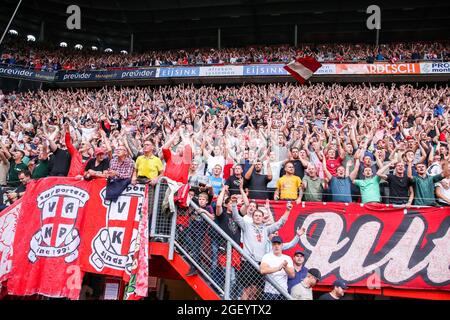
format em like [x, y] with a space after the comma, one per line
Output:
[275, 167]
[280, 277]
[87, 133]
[445, 192]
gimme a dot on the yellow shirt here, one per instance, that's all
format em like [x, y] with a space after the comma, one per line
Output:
[148, 167]
[288, 187]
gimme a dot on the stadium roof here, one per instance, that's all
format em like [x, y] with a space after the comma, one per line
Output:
[187, 24]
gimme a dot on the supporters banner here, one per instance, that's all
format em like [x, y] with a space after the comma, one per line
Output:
[221, 71]
[110, 232]
[8, 223]
[26, 74]
[378, 68]
[435, 67]
[46, 255]
[68, 228]
[373, 246]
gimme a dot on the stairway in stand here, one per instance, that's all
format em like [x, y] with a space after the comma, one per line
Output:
[197, 283]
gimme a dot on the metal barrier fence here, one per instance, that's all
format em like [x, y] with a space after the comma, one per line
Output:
[222, 263]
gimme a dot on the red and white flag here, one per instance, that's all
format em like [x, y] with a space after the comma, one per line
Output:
[302, 68]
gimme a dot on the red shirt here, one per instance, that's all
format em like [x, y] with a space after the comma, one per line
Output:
[177, 167]
[332, 165]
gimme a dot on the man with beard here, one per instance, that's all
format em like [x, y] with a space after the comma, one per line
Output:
[312, 185]
[340, 185]
[401, 191]
[299, 163]
[289, 185]
[234, 181]
[256, 182]
[339, 287]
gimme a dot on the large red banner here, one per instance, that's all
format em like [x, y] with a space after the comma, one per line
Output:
[67, 228]
[111, 233]
[46, 254]
[373, 245]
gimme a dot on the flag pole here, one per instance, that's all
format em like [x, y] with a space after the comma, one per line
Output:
[9, 23]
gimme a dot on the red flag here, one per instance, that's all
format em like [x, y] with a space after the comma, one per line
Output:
[302, 68]
[110, 237]
[46, 254]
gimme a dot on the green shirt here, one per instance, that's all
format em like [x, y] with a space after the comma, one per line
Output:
[314, 189]
[424, 189]
[13, 175]
[41, 170]
[370, 189]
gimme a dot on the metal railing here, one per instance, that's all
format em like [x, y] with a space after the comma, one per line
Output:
[216, 257]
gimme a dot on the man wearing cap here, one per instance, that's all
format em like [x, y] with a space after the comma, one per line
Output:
[303, 290]
[279, 266]
[300, 270]
[339, 287]
[148, 166]
[96, 167]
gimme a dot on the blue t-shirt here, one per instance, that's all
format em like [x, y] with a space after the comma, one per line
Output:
[216, 183]
[438, 111]
[341, 189]
[299, 276]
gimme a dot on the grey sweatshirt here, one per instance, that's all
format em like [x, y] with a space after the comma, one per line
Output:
[255, 238]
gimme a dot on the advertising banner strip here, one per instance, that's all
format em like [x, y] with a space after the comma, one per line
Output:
[379, 68]
[66, 76]
[435, 67]
[221, 71]
[26, 74]
[253, 70]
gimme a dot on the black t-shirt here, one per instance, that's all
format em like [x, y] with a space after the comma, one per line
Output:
[21, 188]
[327, 296]
[90, 165]
[257, 186]
[233, 185]
[59, 164]
[226, 222]
[398, 189]
[299, 170]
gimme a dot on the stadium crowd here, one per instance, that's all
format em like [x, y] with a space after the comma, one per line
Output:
[341, 143]
[49, 58]
[288, 142]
